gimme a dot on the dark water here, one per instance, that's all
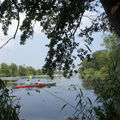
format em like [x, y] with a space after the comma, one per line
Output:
[46, 103]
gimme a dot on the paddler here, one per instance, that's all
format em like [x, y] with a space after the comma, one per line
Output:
[39, 81]
[28, 82]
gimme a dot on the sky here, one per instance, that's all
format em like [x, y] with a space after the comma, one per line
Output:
[33, 53]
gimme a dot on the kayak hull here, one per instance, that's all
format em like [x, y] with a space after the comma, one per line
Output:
[36, 85]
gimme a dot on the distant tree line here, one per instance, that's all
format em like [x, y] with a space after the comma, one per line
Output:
[14, 70]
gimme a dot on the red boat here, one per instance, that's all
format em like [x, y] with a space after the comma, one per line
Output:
[36, 85]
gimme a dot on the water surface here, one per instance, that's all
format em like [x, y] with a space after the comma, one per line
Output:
[46, 103]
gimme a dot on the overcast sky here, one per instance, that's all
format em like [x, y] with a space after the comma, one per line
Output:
[34, 51]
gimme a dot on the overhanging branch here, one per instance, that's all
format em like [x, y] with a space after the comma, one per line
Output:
[13, 35]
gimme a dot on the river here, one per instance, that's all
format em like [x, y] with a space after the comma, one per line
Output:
[49, 103]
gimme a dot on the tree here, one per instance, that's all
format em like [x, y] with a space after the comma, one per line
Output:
[111, 41]
[101, 58]
[97, 67]
[106, 87]
[60, 20]
[13, 69]
[22, 71]
[4, 70]
[39, 72]
[112, 44]
[30, 71]
[112, 9]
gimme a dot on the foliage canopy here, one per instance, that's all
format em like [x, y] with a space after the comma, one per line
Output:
[60, 20]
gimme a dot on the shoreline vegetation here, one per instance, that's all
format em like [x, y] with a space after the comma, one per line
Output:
[10, 107]
[102, 63]
[13, 70]
[97, 67]
[101, 74]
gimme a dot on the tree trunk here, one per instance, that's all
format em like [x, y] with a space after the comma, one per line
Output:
[112, 9]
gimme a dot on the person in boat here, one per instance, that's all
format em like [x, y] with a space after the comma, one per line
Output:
[28, 82]
[39, 81]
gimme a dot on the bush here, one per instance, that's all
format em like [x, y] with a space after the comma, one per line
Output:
[8, 109]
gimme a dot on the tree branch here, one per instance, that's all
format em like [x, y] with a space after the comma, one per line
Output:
[88, 17]
[14, 33]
